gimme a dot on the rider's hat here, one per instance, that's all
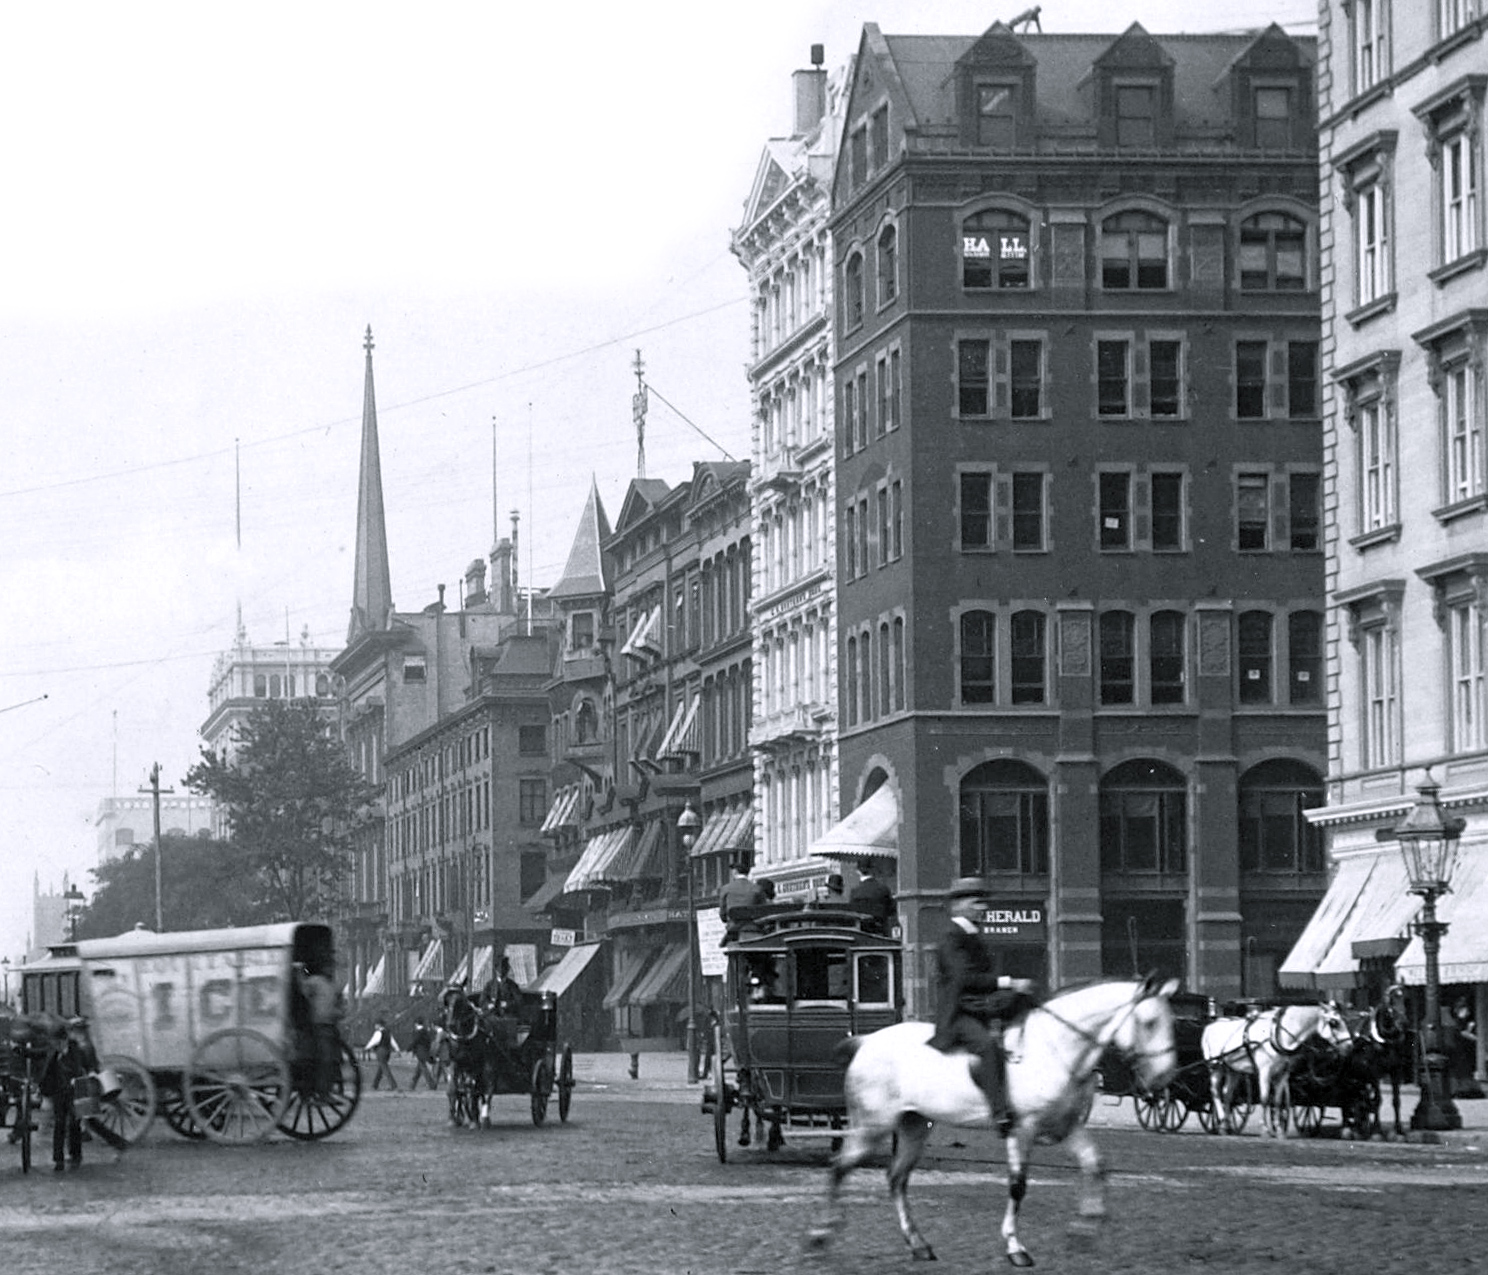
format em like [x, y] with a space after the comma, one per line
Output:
[970, 888]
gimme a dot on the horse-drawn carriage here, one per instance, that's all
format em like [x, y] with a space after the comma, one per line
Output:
[507, 1046]
[799, 980]
[215, 1029]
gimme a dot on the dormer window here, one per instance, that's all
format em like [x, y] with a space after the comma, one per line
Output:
[996, 250]
[1136, 115]
[581, 630]
[997, 116]
[1272, 109]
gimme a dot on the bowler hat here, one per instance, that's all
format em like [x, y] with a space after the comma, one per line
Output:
[970, 888]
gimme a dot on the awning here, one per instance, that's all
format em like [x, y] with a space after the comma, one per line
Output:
[739, 836]
[644, 858]
[561, 811]
[681, 736]
[484, 963]
[631, 966]
[544, 896]
[598, 852]
[666, 980]
[1367, 904]
[645, 636]
[431, 963]
[870, 832]
[373, 985]
[611, 868]
[560, 977]
[710, 839]
[1464, 947]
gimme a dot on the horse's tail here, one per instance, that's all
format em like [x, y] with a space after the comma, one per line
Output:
[846, 1050]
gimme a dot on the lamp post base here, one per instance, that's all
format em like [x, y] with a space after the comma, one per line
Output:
[692, 1052]
[1433, 1112]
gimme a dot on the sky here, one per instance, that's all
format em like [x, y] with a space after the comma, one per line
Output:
[205, 209]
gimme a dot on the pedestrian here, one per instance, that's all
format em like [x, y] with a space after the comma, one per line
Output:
[70, 1058]
[382, 1044]
[422, 1049]
[873, 898]
[441, 1052]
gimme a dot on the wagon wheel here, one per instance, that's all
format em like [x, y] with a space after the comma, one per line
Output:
[1147, 1115]
[237, 1086]
[565, 1083]
[1361, 1113]
[1208, 1114]
[128, 1114]
[464, 1107]
[720, 1101]
[1240, 1111]
[1174, 1112]
[1309, 1119]
[311, 1114]
[542, 1086]
[177, 1115]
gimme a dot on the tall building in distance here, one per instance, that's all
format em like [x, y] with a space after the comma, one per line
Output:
[122, 823]
[1079, 461]
[1404, 254]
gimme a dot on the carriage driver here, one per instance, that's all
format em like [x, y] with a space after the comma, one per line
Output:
[973, 1003]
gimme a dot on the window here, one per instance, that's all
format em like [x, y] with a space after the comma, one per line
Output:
[1275, 836]
[863, 532]
[978, 658]
[895, 390]
[1305, 512]
[864, 404]
[414, 669]
[1028, 511]
[1370, 409]
[996, 249]
[532, 741]
[849, 415]
[879, 128]
[1453, 15]
[1302, 379]
[888, 264]
[1144, 819]
[1371, 26]
[850, 696]
[1134, 251]
[896, 518]
[1028, 647]
[1465, 661]
[976, 511]
[885, 403]
[1166, 656]
[1273, 253]
[1004, 817]
[852, 291]
[1026, 359]
[1381, 679]
[850, 542]
[1136, 115]
[997, 116]
[1117, 657]
[1253, 656]
[1305, 657]
[1165, 364]
[532, 800]
[858, 155]
[1459, 197]
[1115, 510]
[1463, 434]
[883, 527]
[1252, 512]
[1250, 380]
[1113, 380]
[1366, 174]
[973, 377]
[1273, 117]
[1167, 512]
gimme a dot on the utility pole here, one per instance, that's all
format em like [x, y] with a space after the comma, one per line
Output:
[156, 789]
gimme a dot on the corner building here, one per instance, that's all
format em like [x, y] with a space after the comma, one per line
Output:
[1079, 539]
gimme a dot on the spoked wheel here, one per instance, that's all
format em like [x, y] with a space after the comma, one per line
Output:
[464, 1102]
[1208, 1115]
[1362, 1112]
[1147, 1113]
[1174, 1112]
[1309, 1120]
[1239, 1115]
[25, 1122]
[315, 1112]
[237, 1086]
[129, 1113]
[178, 1116]
[565, 1083]
[542, 1086]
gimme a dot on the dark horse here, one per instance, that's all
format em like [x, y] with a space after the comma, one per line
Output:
[1385, 1046]
[472, 1059]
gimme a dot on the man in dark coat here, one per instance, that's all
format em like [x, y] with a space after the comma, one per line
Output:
[873, 898]
[71, 1058]
[737, 899]
[973, 1003]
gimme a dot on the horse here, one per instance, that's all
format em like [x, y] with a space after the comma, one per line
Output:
[1265, 1045]
[897, 1087]
[1386, 1046]
[471, 1061]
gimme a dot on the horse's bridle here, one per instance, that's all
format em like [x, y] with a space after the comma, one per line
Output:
[1098, 1042]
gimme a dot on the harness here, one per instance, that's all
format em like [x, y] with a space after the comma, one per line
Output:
[1096, 1043]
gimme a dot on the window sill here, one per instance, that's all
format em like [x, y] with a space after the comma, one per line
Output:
[1366, 98]
[1468, 261]
[1379, 536]
[1448, 45]
[1461, 508]
[1361, 315]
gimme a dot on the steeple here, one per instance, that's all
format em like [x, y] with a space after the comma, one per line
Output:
[372, 591]
[584, 574]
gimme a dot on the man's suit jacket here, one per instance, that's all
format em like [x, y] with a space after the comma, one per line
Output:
[966, 988]
[741, 892]
[873, 897]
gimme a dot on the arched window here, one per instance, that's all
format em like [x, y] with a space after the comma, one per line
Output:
[1004, 819]
[1274, 834]
[1144, 819]
[322, 684]
[1117, 657]
[978, 658]
[996, 250]
[1273, 253]
[1029, 641]
[1166, 657]
[852, 291]
[888, 265]
[586, 723]
[1134, 251]
[276, 686]
[260, 686]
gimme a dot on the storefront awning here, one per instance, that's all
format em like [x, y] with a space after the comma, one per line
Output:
[681, 738]
[632, 965]
[431, 963]
[612, 868]
[1367, 904]
[869, 832]
[560, 977]
[644, 857]
[588, 872]
[561, 811]
[710, 839]
[1464, 947]
[373, 985]
[484, 963]
[544, 896]
[739, 835]
[666, 980]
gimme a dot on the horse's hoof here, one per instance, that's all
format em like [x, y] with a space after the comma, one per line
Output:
[924, 1253]
[1021, 1258]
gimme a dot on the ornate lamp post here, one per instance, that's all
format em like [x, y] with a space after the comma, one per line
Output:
[5, 967]
[1428, 844]
[74, 901]
[688, 824]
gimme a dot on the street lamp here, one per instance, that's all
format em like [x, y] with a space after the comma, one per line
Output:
[5, 969]
[1428, 845]
[74, 901]
[688, 824]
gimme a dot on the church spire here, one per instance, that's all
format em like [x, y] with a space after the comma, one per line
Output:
[372, 591]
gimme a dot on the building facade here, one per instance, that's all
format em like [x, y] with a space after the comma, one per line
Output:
[125, 822]
[1080, 556]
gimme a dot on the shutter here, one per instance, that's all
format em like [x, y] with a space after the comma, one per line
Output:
[1000, 375]
[1141, 398]
[1281, 515]
[1142, 512]
[1276, 381]
[1002, 509]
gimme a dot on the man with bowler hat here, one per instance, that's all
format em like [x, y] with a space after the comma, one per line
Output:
[973, 1003]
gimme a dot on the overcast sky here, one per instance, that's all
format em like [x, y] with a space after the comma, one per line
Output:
[206, 207]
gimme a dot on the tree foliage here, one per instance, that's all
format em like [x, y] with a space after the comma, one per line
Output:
[293, 803]
[203, 885]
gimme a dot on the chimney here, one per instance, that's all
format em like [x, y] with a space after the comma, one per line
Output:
[501, 567]
[810, 93]
[475, 584]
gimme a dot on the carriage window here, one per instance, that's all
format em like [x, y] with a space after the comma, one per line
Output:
[875, 979]
[821, 975]
[765, 984]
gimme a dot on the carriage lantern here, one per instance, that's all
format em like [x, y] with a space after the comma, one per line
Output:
[1428, 845]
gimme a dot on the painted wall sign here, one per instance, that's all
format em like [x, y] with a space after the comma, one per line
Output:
[1023, 922]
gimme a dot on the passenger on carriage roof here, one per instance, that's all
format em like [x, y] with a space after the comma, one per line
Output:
[873, 897]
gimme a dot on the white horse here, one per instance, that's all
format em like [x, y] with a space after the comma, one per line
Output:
[898, 1086]
[1265, 1046]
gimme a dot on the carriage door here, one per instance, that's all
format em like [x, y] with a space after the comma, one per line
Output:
[819, 1019]
[875, 1001]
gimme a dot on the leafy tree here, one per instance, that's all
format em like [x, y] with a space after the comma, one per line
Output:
[293, 804]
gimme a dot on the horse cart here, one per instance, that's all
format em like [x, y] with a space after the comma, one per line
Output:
[509, 1047]
[214, 1029]
[799, 981]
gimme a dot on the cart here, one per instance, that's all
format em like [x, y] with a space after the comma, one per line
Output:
[211, 1029]
[515, 1051]
[799, 981]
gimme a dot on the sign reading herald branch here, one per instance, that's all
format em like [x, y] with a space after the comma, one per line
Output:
[1021, 922]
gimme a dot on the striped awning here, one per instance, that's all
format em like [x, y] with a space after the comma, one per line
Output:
[1464, 947]
[374, 984]
[560, 977]
[1368, 900]
[632, 966]
[594, 868]
[645, 638]
[666, 980]
[562, 810]
[644, 858]
[431, 963]
[681, 739]
[484, 962]
[716, 828]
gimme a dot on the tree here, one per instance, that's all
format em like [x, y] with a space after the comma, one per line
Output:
[204, 885]
[293, 804]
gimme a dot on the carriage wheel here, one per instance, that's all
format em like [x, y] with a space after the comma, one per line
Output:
[1240, 1111]
[1361, 1114]
[1208, 1115]
[542, 1086]
[24, 1126]
[237, 1086]
[1174, 1112]
[464, 1105]
[129, 1114]
[311, 1115]
[720, 1101]
[1309, 1120]
[1146, 1105]
[565, 1083]
[178, 1115]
